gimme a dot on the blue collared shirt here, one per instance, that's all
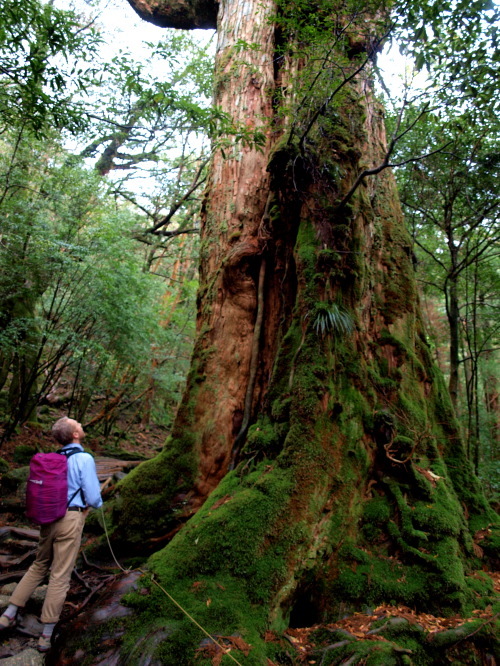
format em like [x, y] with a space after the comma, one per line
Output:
[82, 474]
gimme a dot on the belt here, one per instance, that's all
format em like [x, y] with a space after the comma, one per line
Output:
[76, 508]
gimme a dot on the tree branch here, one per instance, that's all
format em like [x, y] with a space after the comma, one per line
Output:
[175, 206]
[385, 165]
[166, 234]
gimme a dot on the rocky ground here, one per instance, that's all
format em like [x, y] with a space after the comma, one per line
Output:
[19, 645]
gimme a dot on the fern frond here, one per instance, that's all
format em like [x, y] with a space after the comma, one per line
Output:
[333, 319]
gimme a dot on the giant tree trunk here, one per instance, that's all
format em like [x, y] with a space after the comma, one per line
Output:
[350, 485]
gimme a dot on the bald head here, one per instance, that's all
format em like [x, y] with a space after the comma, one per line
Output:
[67, 431]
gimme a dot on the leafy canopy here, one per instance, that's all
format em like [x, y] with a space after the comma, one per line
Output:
[45, 58]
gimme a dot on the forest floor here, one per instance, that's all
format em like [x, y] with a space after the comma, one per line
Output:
[140, 442]
[115, 456]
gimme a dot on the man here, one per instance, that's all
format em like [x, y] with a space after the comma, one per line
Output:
[59, 541]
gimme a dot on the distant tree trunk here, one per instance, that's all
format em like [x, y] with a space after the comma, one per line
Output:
[349, 485]
[22, 367]
[453, 311]
[492, 401]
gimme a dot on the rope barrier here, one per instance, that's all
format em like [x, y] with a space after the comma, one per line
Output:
[226, 651]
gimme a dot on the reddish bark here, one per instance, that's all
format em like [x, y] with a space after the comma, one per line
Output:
[233, 240]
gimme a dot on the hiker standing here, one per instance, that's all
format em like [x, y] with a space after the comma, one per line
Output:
[60, 540]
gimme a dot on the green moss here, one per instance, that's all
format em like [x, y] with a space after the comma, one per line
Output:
[226, 551]
[386, 338]
[369, 653]
[383, 384]
[262, 437]
[371, 533]
[481, 589]
[280, 410]
[279, 392]
[432, 538]
[447, 555]
[377, 510]
[405, 635]
[179, 649]
[327, 259]
[13, 479]
[4, 466]
[327, 636]
[406, 515]
[370, 578]
[23, 454]
[351, 585]
[423, 488]
[227, 538]
[138, 508]
[306, 245]
[415, 409]
[442, 516]
[491, 543]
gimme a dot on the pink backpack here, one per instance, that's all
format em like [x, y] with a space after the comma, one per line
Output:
[47, 489]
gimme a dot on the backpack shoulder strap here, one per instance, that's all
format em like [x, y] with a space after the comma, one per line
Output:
[71, 452]
[68, 453]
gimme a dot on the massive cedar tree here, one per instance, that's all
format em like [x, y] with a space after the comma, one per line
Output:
[315, 465]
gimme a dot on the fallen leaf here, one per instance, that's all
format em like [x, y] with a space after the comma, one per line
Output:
[223, 500]
[217, 659]
[238, 643]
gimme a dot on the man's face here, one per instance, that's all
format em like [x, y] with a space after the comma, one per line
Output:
[78, 431]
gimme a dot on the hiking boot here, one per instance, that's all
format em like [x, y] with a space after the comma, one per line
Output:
[7, 622]
[44, 643]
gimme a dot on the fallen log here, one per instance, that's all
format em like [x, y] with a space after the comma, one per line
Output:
[26, 532]
[10, 560]
[108, 467]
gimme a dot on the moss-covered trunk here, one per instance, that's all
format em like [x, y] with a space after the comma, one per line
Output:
[351, 486]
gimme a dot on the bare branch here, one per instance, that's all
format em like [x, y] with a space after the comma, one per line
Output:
[165, 234]
[129, 198]
[385, 165]
[195, 184]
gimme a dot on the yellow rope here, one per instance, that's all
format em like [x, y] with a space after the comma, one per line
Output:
[226, 651]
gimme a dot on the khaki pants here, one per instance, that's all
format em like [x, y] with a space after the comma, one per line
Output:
[57, 550]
